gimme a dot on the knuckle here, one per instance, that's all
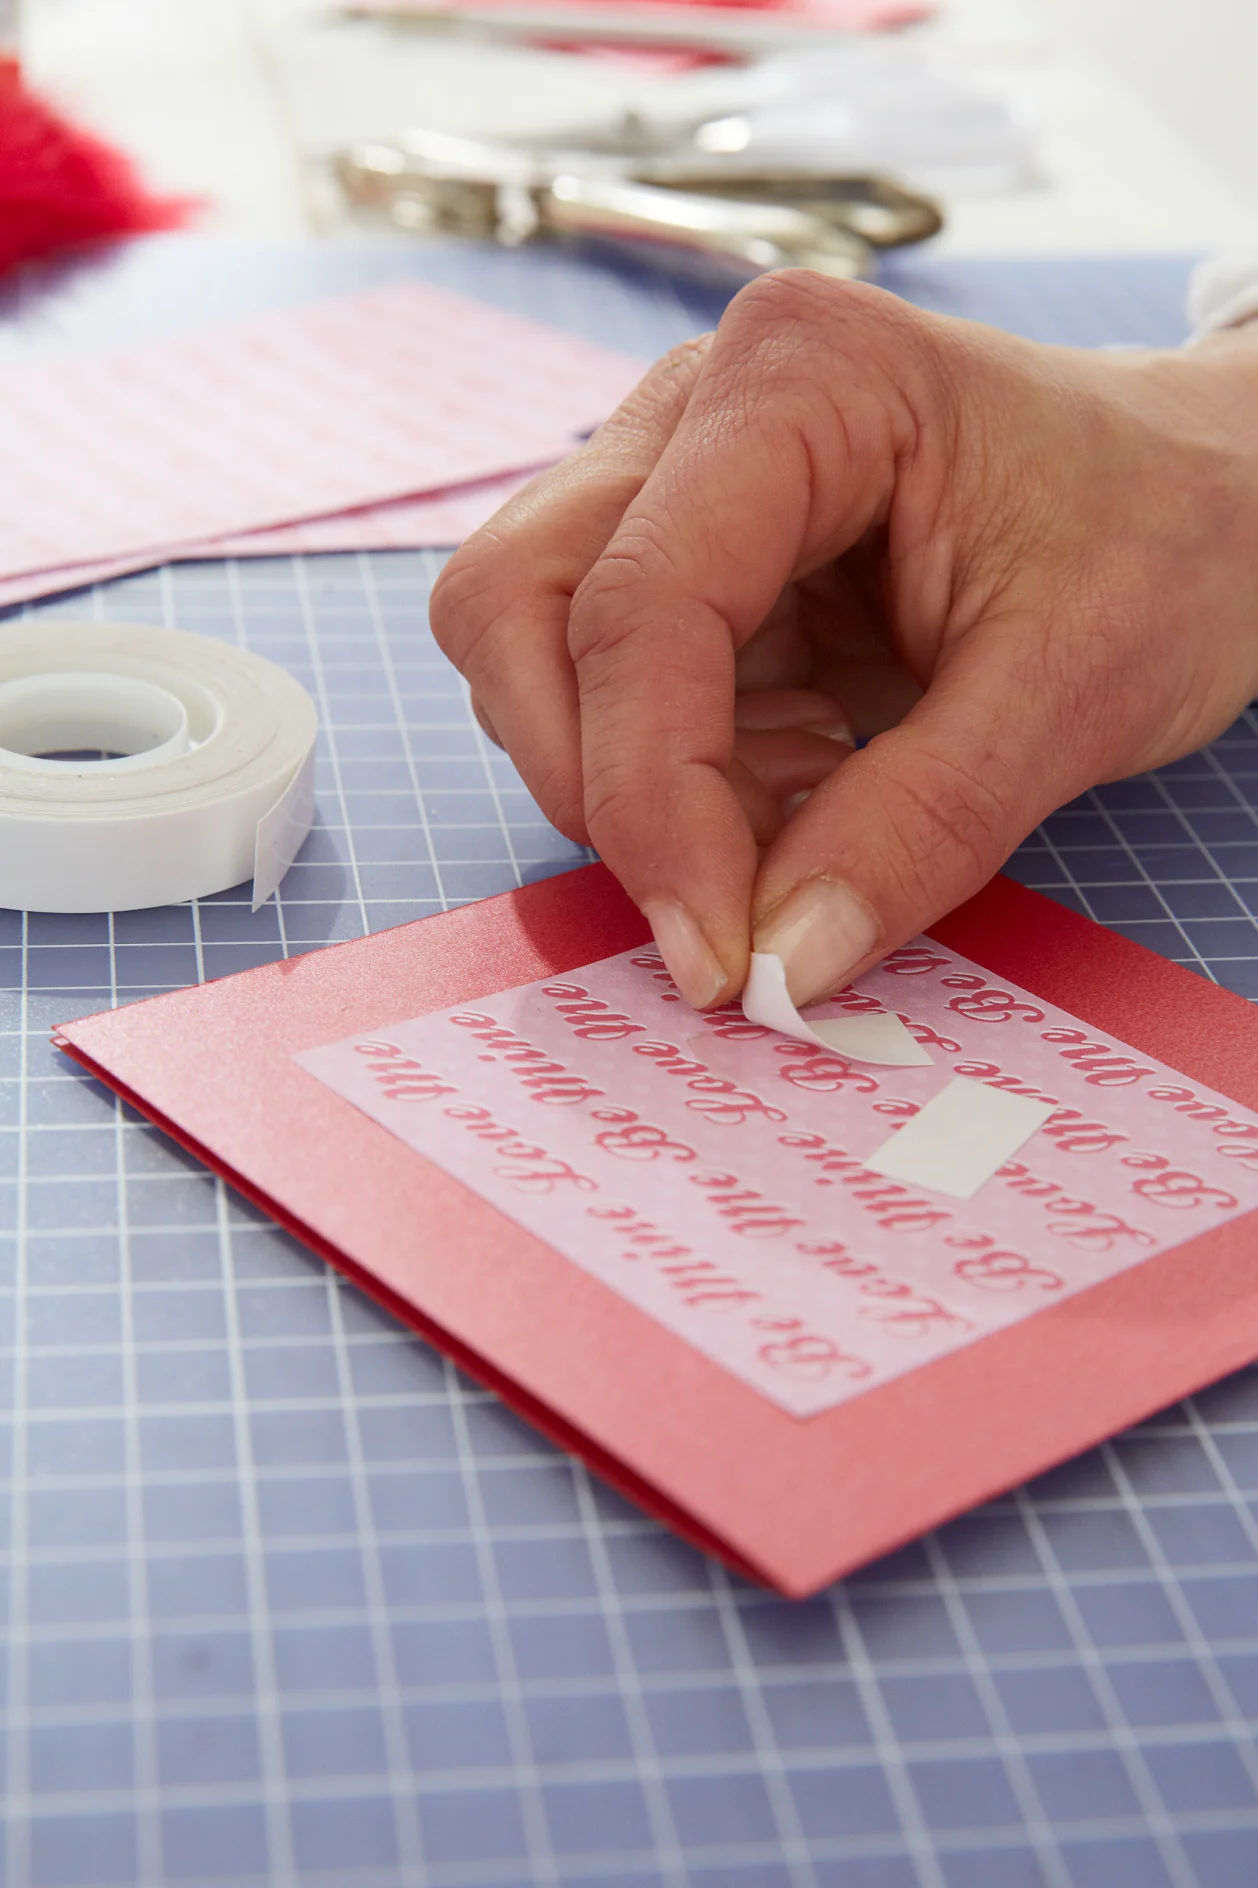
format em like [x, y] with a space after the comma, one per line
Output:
[613, 602]
[492, 598]
[657, 402]
[787, 298]
[772, 335]
[462, 602]
[793, 313]
[837, 360]
[611, 800]
[939, 810]
[558, 791]
[965, 809]
[677, 369]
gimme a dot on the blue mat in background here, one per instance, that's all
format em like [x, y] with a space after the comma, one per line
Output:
[292, 1603]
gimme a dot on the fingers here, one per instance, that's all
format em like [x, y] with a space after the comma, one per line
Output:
[500, 607]
[783, 708]
[788, 761]
[768, 768]
[760, 807]
[790, 739]
[841, 612]
[917, 821]
[786, 454]
[784, 743]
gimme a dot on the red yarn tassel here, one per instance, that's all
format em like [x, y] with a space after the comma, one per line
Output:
[60, 187]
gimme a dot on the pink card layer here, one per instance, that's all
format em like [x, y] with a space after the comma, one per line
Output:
[350, 402]
[430, 521]
[1106, 1271]
[405, 524]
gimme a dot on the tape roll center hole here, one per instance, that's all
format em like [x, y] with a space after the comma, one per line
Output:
[83, 722]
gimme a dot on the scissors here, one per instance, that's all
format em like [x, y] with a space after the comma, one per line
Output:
[743, 222]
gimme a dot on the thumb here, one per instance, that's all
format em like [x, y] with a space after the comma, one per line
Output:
[918, 821]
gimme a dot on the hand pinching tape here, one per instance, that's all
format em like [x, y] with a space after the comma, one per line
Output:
[143, 766]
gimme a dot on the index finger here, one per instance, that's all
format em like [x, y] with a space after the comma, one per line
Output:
[785, 455]
[499, 610]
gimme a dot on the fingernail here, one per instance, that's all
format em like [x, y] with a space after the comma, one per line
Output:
[821, 931]
[833, 731]
[692, 964]
[794, 801]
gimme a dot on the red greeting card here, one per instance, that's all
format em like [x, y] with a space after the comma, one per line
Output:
[690, 1249]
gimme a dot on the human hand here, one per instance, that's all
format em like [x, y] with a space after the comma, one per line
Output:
[1024, 570]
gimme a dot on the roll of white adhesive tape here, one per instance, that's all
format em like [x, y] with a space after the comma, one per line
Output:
[205, 775]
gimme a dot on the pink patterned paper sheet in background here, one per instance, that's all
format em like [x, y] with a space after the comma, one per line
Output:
[427, 522]
[348, 403]
[710, 1170]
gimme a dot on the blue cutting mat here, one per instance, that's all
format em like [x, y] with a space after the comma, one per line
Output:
[290, 1602]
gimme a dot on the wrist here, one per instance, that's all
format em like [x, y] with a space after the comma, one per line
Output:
[1204, 394]
[1239, 342]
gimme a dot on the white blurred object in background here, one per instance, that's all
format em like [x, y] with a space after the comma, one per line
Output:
[1194, 62]
[873, 106]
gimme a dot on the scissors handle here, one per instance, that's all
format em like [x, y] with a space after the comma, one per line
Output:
[747, 220]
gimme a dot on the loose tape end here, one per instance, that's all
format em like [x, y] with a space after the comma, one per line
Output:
[878, 1037]
[282, 832]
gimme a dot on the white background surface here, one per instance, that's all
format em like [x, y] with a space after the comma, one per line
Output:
[1143, 107]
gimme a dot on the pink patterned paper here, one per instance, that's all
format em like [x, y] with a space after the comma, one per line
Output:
[709, 1169]
[406, 524]
[347, 403]
[427, 522]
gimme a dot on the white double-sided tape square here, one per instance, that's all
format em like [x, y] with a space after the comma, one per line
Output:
[962, 1136]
